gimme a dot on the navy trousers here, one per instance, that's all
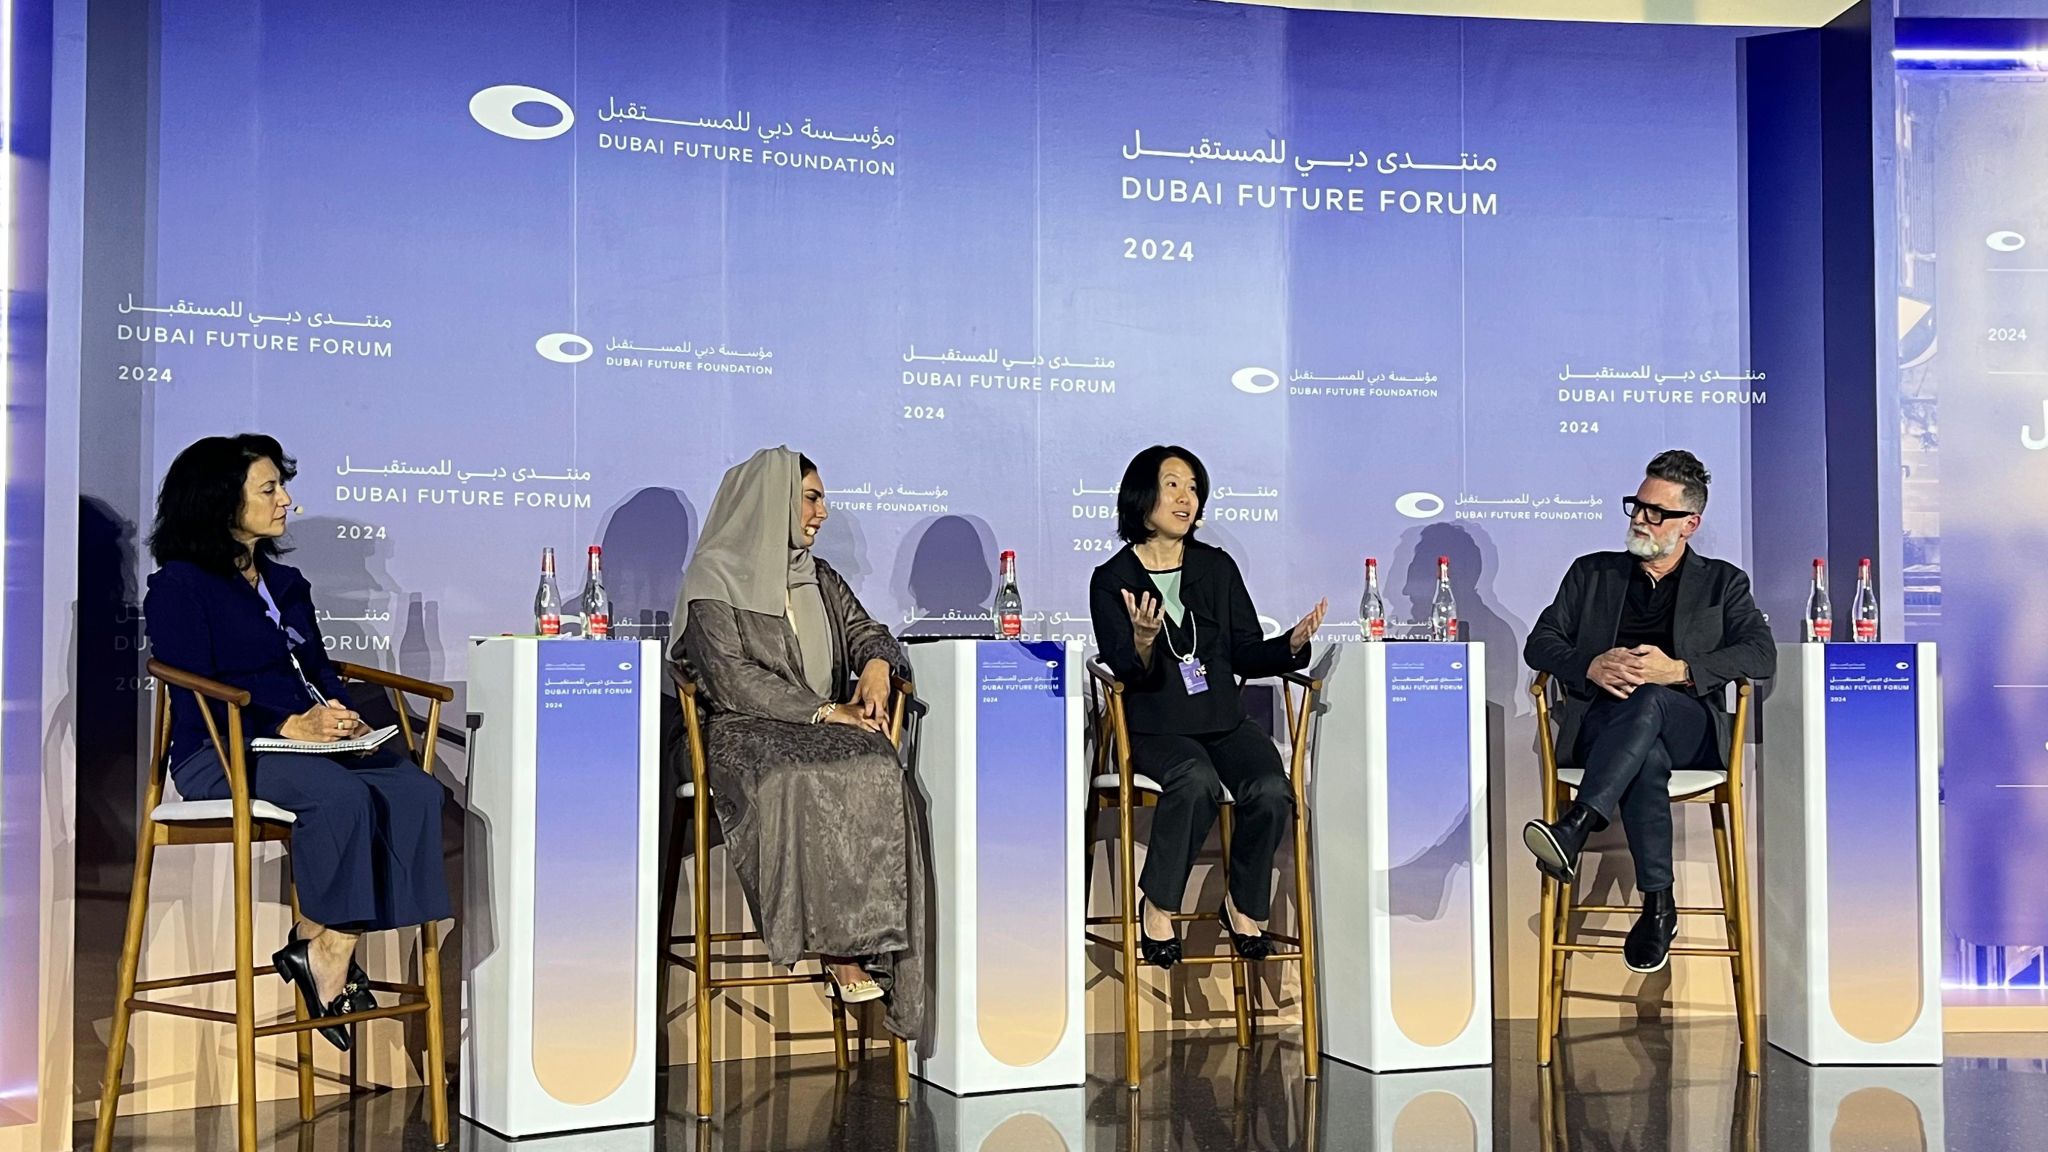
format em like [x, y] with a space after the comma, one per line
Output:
[366, 848]
[1629, 748]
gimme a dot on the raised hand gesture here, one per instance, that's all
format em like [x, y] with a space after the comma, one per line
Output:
[1146, 620]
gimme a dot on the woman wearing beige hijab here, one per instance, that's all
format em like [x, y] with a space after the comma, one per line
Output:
[816, 809]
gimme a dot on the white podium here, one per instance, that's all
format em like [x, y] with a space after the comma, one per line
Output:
[1852, 854]
[1001, 763]
[559, 935]
[1399, 820]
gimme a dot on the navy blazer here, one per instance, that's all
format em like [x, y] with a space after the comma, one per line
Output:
[1716, 629]
[215, 626]
[1230, 644]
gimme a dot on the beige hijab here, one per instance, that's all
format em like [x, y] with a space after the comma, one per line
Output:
[752, 555]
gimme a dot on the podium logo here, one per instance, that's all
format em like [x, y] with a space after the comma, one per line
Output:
[1420, 505]
[564, 347]
[496, 108]
[1255, 381]
[2005, 241]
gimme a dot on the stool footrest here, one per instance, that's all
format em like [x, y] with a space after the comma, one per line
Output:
[287, 1026]
[1615, 950]
[1619, 909]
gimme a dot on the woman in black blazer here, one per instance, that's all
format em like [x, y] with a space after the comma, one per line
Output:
[1177, 629]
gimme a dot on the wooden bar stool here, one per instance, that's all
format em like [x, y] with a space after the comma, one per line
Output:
[694, 949]
[244, 822]
[1119, 787]
[1722, 792]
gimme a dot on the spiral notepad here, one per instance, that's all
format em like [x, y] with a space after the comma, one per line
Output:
[359, 744]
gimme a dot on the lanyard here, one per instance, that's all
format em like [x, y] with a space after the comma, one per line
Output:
[291, 640]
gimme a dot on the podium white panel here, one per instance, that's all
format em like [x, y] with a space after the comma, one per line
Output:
[1001, 763]
[558, 904]
[1852, 854]
[1398, 795]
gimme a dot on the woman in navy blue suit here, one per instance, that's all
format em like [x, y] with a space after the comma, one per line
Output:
[366, 844]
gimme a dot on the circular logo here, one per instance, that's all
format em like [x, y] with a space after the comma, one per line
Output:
[1457, 665]
[564, 347]
[1903, 665]
[1420, 505]
[1255, 381]
[625, 665]
[2005, 241]
[495, 108]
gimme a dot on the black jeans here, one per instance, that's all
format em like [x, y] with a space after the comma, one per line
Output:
[1192, 772]
[1629, 748]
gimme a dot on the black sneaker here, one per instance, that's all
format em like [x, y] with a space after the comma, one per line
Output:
[1557, 846]
[1648, 947]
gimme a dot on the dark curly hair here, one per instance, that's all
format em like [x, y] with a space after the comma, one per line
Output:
[201, 500]
[1139, 492]
[1685, 470]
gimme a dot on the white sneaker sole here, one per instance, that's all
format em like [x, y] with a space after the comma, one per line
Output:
[1545, 848]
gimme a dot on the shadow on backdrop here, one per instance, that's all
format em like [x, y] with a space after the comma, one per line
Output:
[947, 572]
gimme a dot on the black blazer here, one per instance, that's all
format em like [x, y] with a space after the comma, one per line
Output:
[1230, 643]
[1716, 628]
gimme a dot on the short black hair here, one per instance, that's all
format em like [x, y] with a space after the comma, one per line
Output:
[201, 501]
[804, 467]
[1139, 493]
[1684, 469]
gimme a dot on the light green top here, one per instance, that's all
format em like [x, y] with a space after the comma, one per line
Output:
[1168, 584]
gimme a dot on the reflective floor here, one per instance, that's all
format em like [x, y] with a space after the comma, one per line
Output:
[1642, 1089]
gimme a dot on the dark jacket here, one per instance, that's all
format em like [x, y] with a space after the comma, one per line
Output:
[1716, 629]
[1229, 643]
[215, 626]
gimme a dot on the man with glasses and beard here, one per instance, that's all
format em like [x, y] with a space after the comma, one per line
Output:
[1643, 642]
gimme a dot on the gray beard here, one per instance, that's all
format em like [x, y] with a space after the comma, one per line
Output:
[1647, 548]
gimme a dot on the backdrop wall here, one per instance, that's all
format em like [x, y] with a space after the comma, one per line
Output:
[524, 274]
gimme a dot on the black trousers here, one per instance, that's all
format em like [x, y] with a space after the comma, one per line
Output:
[1629, 748]
[366, 847]
[1192, 772]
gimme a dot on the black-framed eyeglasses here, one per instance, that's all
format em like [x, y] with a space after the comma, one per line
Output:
[1652, 514]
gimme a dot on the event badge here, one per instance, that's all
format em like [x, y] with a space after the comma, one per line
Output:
[1194, 676]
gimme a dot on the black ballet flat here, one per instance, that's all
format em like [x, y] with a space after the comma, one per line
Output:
[295, 966]
[1250, 947]
[1158, 953]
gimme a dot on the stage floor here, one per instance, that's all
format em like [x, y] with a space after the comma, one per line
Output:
[1649, 1087]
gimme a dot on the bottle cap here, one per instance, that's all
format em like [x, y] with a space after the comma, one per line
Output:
[1865, 562]
[1443, 559]
[596, 550]
[1817, 561]
[1009, 554]
[1371, 562]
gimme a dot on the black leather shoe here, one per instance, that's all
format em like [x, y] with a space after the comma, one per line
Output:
[1250, 947]
[1556, 846]
[1158, 953]
[1648, 947]
[295, 966]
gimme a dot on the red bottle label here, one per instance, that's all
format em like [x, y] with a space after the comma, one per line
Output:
[1377, 628]
[1451, 633]
[551, 625]
[1012, 625]
[1866, 630]
[597, 627]
[1823, 630]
